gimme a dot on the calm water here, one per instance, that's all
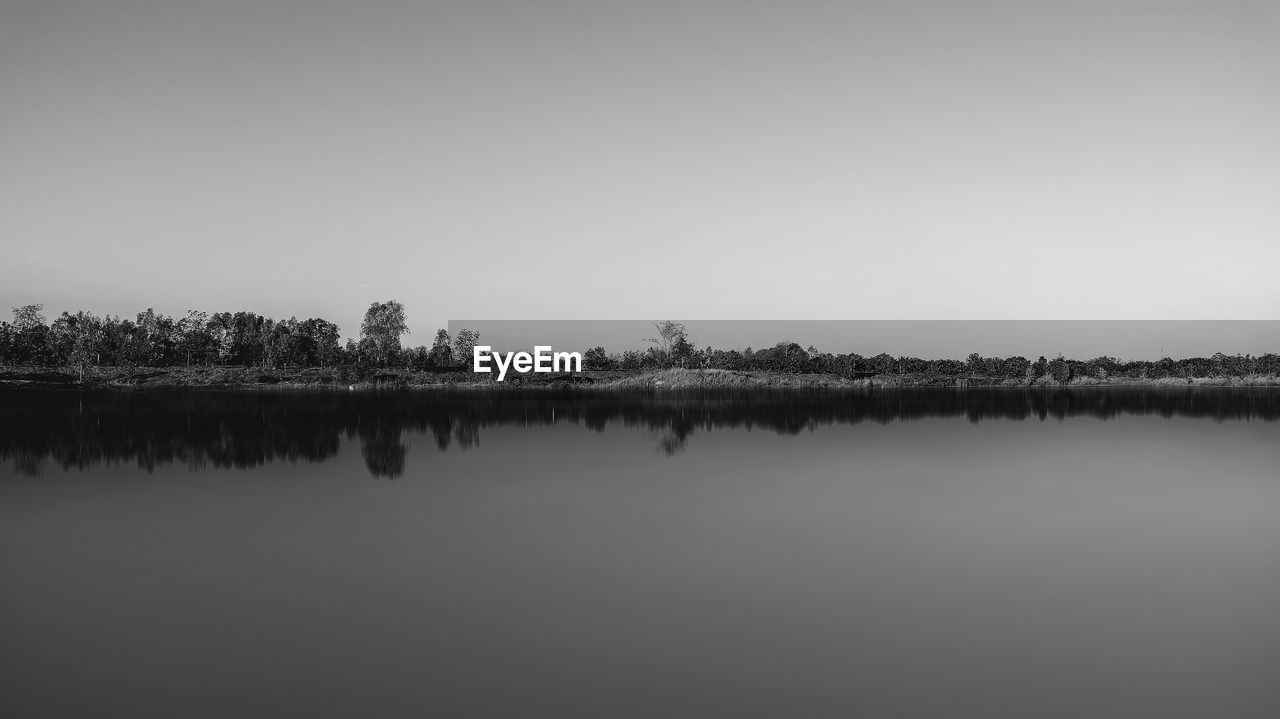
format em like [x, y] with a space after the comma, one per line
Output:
[914, 554]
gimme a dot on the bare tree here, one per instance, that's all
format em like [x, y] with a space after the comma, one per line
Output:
[672, 342]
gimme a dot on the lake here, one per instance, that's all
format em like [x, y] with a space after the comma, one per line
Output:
[982, 553]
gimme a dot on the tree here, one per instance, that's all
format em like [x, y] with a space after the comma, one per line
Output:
[417, 358]
[30, 336]
[822, 362]
[731, 359]
[464, 346]
[441, 353]
[319, 343]
[1103, 367]
[75, 340]
[596, 358]
[351, 353]
[1015, 367]
[631, 360]
[946, 367]
[882, 363]
[783, 357]
[383, 324]
[27, 317]
[154, 342]
[194, 337]
[682, 352]
[912, 364]
[113, 344]
[246, 337]
[671, 337]
[1060, 369]
[6, 343]
[282, 343]
[1040, 368]
[975, 364]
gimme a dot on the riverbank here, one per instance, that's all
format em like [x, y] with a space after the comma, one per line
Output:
[350, 378]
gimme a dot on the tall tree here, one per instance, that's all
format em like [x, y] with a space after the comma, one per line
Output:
[75, 339]
[441, 353]
[6, 343]
[194, 339]
[671, 336]
[1060, 369]
[31, 340]
[384, 323]
[1039, 368]
[222, 331]
[27, 316]
[318, 343]
[975, 364]
[464, 345]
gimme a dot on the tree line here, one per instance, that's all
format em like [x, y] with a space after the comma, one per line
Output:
[789, 357]
[84, 340]
[673, 348]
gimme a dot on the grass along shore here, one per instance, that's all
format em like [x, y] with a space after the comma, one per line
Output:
[343, 378]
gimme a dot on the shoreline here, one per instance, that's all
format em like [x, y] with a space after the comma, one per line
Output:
[353, 379]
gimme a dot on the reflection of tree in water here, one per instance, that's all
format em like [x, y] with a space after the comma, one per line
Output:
[681, 426]
[248, 429]
[467, 432]
[442, 430]
[28, 463]
[152, 429]
[382, 448]
[672, 443]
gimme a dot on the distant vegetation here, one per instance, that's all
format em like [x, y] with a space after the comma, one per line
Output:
[84, 341]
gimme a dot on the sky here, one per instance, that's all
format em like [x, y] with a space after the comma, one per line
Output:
[642, 160]
[928, 339]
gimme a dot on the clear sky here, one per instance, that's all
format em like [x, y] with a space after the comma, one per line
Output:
[641, 160]
[929, 339]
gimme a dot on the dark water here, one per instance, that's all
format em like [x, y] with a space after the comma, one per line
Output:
[1098, 553]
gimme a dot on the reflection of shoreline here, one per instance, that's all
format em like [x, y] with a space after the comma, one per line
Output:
[248, 429]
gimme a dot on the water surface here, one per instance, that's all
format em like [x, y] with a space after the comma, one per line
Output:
[923, 554]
